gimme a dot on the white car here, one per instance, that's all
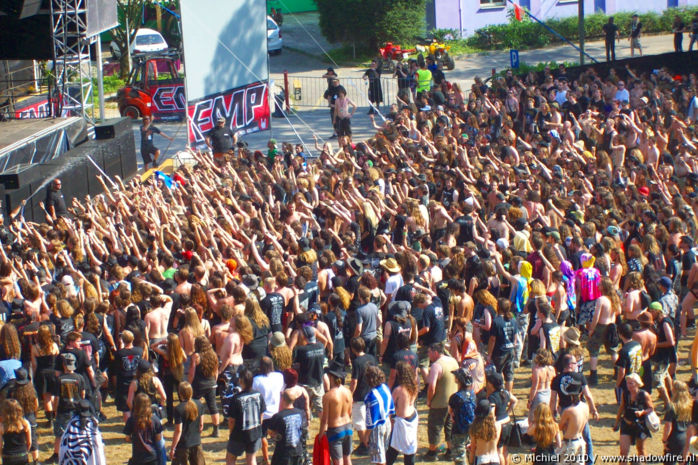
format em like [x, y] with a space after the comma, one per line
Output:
[274, 41]
[146, 40]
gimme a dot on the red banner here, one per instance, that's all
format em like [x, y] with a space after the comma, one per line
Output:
[246, 110]
[167, 100]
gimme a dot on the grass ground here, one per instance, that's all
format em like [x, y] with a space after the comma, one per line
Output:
[605, 440]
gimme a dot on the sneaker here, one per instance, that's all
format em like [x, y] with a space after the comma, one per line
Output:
[333, 136]
[101, 417]
[429, 456]
[447, 455]
[52, 459]
[361, 450]
[214, 433]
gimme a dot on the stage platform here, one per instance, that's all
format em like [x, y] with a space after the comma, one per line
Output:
[31, 141]
[35, 151]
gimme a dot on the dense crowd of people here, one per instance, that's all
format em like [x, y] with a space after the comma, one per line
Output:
[505, 233]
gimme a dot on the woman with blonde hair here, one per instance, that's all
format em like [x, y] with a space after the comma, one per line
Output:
[172, 358]
[483, 315]
[536, 300]
[546, 434]
[43, 362]
[542, 376]
[279, 352]
[190, 331]
[16, 434]
[257, 348]
[677, 419]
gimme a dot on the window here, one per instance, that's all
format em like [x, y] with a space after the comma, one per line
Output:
[492, 3]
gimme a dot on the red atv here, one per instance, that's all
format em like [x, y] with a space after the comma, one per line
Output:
[154, 88]
[388, 53]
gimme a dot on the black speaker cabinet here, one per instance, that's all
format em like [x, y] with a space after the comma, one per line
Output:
[112, 127]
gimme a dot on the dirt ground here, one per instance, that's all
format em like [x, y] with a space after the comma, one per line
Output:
[605, 440]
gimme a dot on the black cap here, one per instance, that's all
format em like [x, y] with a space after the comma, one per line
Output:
[21, 376]
[483, 408]
[85, 408]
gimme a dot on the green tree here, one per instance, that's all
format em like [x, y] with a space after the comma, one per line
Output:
[402, 22]
[368, 23]
[131, 14]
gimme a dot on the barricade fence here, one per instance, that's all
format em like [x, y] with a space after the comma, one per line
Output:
[308, 91]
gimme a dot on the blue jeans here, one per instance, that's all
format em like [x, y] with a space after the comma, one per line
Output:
[586, 434]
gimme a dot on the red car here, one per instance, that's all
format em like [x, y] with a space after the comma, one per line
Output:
[155, 88]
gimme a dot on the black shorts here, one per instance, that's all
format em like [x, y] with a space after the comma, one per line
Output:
[147, 151]
[209, 396]
[237, 448]
[505, 364]
[343, 126]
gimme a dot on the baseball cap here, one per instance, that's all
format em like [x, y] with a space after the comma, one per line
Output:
[69, 360]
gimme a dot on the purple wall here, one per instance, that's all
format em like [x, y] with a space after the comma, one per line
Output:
[448, 14]
[474, 16]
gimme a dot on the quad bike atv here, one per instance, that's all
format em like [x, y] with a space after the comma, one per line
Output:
[438, 51]
[388, 53]
[154, 88]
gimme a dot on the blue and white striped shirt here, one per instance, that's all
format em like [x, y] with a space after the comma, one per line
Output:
[379, 406]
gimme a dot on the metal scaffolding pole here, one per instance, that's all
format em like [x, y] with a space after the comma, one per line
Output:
[71, 51]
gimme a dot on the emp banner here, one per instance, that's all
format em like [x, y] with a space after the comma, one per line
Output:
[246, 110]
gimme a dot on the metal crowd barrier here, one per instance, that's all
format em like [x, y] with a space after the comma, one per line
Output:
[308, 91]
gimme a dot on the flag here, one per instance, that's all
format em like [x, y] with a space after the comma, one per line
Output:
[164, 178]
[518, 12]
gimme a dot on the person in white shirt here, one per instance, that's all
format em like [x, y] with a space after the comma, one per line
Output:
[622, 94]
[394, 281]
[269, 384]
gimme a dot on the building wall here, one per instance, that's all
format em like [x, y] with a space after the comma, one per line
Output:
[471, 15]
[292, 6]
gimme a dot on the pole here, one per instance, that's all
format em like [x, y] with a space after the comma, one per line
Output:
[580, 6]
[128, 44]
[100, 78]
[288, 105]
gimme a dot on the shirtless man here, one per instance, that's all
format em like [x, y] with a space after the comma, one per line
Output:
[463, 304]
[230, 352]
[221, 296]
[335, 421]
[572, 422]
[156, 320]
[222, 329]
[183, 286]
[648, 340]
[440, 219]
[604, 315]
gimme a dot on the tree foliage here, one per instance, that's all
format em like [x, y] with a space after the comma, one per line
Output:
[371, 22]
[130, 13]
